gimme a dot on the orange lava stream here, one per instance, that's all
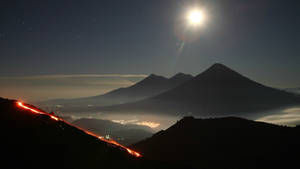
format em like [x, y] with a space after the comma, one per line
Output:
[20, 104]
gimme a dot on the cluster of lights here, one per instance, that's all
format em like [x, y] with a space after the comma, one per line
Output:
[33, 110]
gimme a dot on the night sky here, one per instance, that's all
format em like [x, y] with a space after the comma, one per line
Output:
[258, 38]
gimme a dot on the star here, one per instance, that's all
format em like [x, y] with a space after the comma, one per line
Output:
[94, 20]
[2, 35]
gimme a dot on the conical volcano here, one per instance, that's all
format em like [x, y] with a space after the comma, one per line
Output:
[218, 90]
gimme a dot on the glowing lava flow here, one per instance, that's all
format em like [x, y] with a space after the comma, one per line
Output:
[20, 104]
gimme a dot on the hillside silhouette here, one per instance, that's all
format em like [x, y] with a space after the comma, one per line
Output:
[32, 140]
[224, 143]
[150, 86]
[218, 90]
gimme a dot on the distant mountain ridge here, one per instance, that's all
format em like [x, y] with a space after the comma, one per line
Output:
[224, 143]
[218, 90]
[150, 86]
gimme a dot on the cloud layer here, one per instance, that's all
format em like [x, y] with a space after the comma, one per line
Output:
[37, 88]
[289, 116]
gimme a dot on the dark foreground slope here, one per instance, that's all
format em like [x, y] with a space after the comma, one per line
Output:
[31, 140]
[224, 143]
[217, 91]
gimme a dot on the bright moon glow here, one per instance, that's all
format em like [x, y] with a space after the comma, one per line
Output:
[195, 17]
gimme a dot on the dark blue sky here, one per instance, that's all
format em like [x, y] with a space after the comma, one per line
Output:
[259, 38]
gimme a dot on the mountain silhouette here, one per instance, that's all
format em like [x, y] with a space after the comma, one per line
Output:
[224, 143]
[150, 86]
[125, 134]
[219, 90]
[33, 140]
[180, 78]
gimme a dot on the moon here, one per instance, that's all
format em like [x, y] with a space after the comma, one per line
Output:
[195, 17]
